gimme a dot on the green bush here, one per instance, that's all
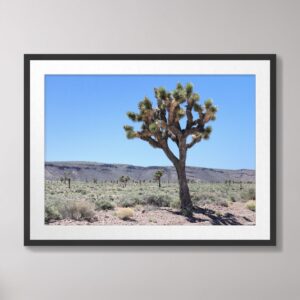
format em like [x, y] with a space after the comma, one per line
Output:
[203, 197]
[52, 213]
[248, 194]
[158, 200]
[104, 205]
[251, 193]
[81, 191]
[130, 202]
[232, 198]
[175, 203]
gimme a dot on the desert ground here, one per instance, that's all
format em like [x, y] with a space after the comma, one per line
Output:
[144, 203]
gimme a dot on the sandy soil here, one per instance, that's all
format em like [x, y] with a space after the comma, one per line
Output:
[235, 214]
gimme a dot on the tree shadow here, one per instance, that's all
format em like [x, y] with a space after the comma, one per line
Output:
[247, 219]
[226, 219]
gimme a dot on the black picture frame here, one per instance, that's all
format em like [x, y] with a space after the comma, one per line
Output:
[31, 57]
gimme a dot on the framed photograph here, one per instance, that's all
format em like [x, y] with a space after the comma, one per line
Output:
[150, 149]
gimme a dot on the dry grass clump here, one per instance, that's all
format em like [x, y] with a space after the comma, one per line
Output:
[125, 213]
[78, 209]
[72, 209]
[251, 205]
[219, 214]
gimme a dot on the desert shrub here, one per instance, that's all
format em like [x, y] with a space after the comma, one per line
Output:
[175, 203]
[248, 194]
[200, 197]
[104, 205]
[129, 202]
[251, 205]
[223, 203]
[125, 213]
[81, 191]
[251, 193]
[232, 198]
[78, 209]
[158, 200]
[52, 212]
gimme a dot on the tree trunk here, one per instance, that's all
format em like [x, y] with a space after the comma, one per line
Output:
[184, 192]
[179, 164]
[159, 182]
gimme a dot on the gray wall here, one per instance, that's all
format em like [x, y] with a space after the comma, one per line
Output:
[156, 26]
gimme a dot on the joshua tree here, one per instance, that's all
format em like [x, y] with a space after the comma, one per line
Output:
[124, 180]
[157, 176]
[180, 118]
[67, 177]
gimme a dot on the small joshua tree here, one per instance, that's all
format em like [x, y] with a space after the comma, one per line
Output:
[67, 177]
[157, 176]
[165, 122]
[124, 180]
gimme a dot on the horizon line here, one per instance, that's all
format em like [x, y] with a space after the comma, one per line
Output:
[148, 166]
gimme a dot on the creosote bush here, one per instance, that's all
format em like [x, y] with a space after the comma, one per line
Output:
[104, 205]
[52, 213]
[251, 193]
[130, 202]
[158, 200]
[125, 213]
[232, 198]
[248, 194]
[175, 203]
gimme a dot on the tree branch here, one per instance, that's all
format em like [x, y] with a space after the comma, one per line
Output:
[172, 157]
[192, 143]
[151, 141]
[198, 129]
[189, 116]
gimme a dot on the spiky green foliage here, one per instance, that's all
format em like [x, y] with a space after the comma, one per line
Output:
[158, 174]
[124, 178]
[165, 121]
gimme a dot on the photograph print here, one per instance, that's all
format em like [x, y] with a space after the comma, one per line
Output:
[149, 149]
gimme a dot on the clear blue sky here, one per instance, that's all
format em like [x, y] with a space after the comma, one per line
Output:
[85, 115]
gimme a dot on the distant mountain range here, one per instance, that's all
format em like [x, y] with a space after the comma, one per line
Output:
[83, 171]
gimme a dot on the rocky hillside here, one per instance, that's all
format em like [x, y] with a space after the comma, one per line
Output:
[83, 171]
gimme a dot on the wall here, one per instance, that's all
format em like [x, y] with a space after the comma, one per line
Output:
[210, 26]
